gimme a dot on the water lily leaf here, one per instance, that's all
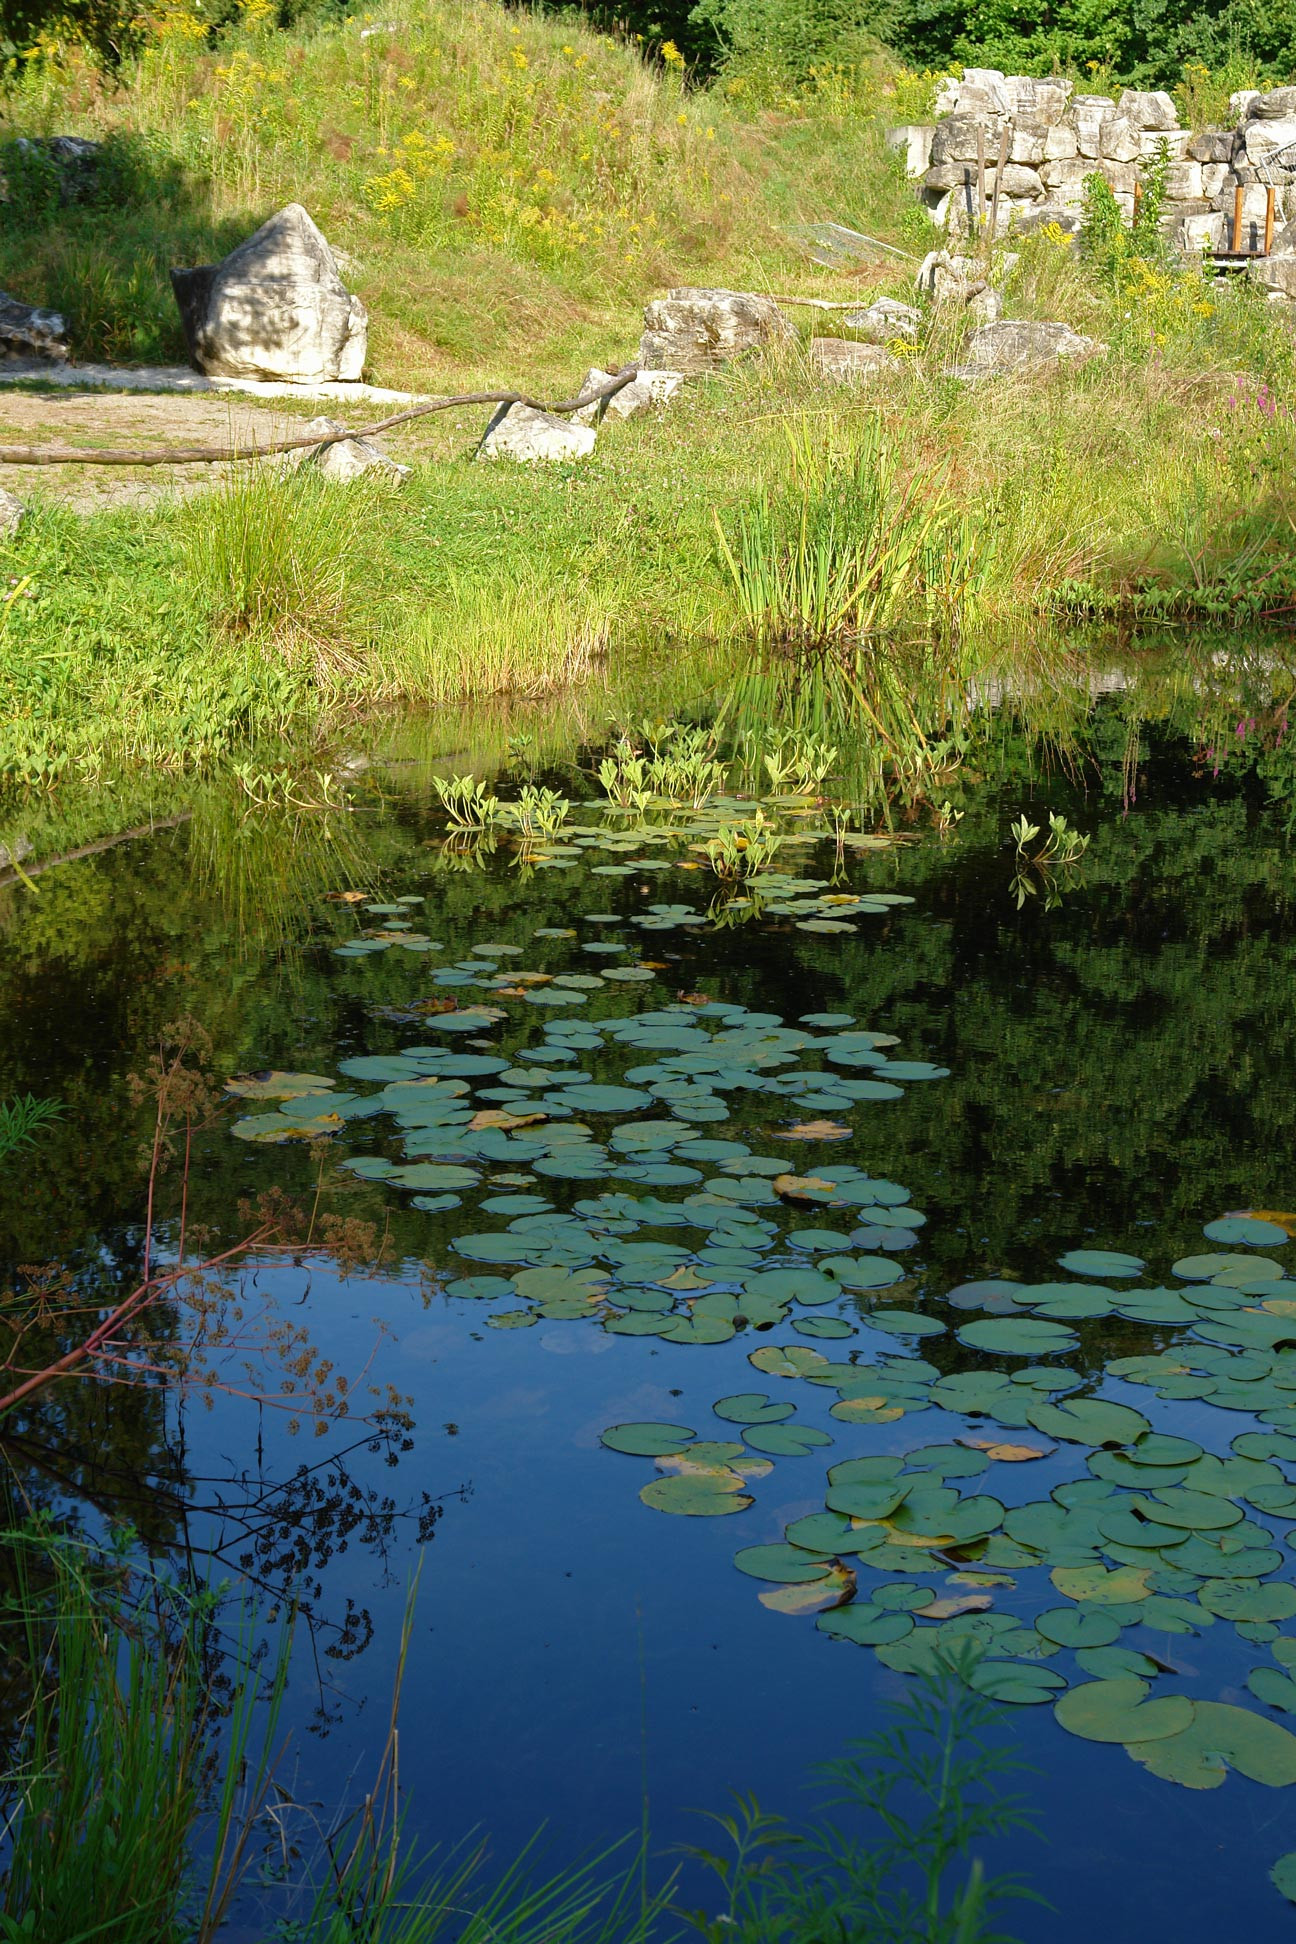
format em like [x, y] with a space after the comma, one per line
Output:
[1201, 1268]
[790, 1565]
[1101, 1262]
[1085, 1583]
[752, 1407]
[1249, 1230]
[803, 1187]
[831, 1590]
[1176, 1505]
[1117, 1711]
[1089, 1421]
[1283, 1876]
[1220, 1737]
[702, 1495]
[786, 1360]
[787, 1440]
[273, 1130]
[815, 1130]
[1019, 1336]
[1069, 1627]
[1274, 1688]
[867, 1625]
[1008, 1454]
[513, 1320]
[646, 1439]
[865, 1499]
[277, 1086]
[1126, 1527]
[1110, 1663]
[1016, 1684]
[867, 1410]
[606, 1100]
[1248, 1600]
[945, 1609]
[823, 1326]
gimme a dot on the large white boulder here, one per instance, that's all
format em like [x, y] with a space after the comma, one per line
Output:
[275, 308]
[524, 433]
[695, 331]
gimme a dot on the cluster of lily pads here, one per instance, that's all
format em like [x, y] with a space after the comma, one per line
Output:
[697, 1231]
[1156, 1537]
[477, 1120]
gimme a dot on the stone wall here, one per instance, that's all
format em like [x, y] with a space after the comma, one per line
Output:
[1057, 137]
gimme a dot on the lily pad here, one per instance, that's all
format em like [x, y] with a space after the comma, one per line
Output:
[697, 1495]
[1019, 1336]
[1117, 1711]
[1218, 1738]
[646, 1439]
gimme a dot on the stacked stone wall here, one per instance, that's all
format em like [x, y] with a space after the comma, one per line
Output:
[1052, 138]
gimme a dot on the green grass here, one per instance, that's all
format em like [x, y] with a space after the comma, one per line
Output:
[509, 188]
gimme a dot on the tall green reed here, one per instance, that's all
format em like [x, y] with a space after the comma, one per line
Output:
[850, 542]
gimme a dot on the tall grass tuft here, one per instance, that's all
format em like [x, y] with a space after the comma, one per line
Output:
[852, 543]
[275, 551]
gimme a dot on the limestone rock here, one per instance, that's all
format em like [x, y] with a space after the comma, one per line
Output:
[1040, 215]
[27, 332]
[1155, 110]
[947, 278]
[885, 318]
[1265, 138]
[1278, 105]
[275, 308]
[1275, 274]
[1212, 145]
[1029, 142]
[1174, 140]
[1208, 231]
[849, 363]
[912, 140]
[521, 432]
[1119, 140]
[986, 307]
[999, 349]
[1087, 115]
[348, 458]
[1060, 143]
[955, 140]
[11, 514]
[694, 331]
[650, 388]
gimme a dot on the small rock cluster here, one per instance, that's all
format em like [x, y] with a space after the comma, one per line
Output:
[1055, 138]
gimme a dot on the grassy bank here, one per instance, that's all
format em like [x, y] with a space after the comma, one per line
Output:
[508, 189]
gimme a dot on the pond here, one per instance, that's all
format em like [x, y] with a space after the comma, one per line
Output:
[778, 1276]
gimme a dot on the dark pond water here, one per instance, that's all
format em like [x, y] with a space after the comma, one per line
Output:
[1113, 1073]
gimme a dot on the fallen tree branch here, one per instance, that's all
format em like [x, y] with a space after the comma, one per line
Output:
[210, 455]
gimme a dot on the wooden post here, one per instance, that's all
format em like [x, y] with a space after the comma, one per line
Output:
[981, 196]
[1238, 194]
[1270, 197]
